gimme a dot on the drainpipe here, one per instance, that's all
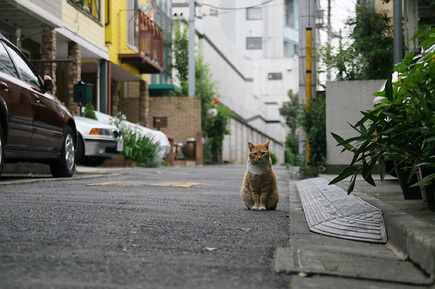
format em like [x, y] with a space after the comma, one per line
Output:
[192, 48]
[397, 31]
[99, 84]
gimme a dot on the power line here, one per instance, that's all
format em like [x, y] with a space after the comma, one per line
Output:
[239, 8]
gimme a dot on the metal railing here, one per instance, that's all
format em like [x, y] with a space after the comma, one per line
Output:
[150, 38]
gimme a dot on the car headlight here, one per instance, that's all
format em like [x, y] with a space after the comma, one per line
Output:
[100, 131]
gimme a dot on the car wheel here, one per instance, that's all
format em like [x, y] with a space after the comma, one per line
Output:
[65, 167]
[2, 149]
[80, 155]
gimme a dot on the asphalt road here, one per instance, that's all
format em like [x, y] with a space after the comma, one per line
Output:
[139, 228]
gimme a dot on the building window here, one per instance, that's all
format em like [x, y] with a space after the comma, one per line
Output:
[274, 76]
[213, 12]
[132, 24]
[89, 7]
[290, 13]
[254, 43]
[254, 13]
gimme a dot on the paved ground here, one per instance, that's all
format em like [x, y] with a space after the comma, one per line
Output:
[178, 228]
[131, 230]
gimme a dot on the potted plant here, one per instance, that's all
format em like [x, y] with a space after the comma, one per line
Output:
[402, 126]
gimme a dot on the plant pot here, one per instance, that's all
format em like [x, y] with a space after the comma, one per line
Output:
[429, 189]
[409, 193]
[190, 149]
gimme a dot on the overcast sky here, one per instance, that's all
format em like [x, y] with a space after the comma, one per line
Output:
[341, 10]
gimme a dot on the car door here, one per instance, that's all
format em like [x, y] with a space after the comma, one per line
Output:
[18, 104]
[47, 125]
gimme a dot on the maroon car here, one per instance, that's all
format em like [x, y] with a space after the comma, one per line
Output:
[35, 125]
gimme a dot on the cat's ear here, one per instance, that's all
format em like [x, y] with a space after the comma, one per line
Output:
[267, 145]
[251, 146]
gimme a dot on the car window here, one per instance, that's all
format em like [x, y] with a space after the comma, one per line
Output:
[6, 64]
[26, 72]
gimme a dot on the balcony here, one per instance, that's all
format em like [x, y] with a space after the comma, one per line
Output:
[146, 38]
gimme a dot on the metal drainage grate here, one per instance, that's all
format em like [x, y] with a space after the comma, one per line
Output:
[329, 210]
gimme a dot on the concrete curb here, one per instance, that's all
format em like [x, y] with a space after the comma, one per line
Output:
[407, 235]
[314, 254]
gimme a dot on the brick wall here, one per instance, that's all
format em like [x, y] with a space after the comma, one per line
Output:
[183, 115]
[130, 108]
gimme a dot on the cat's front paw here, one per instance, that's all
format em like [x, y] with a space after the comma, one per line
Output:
[254, 208]
[262, 208]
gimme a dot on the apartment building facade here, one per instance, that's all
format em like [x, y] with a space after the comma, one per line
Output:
[113, 46]
[252, 53]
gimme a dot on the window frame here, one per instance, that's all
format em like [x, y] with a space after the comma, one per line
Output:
[91, 5]
[259, 40]
[254, 13]
[274, 76]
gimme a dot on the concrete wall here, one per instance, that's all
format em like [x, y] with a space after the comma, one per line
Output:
[183, 114]
[235, 146]
[344, 102]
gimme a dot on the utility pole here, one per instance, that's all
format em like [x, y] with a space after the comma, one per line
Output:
[397, 31]
[307, 67]
[191, 48]
[329, 31]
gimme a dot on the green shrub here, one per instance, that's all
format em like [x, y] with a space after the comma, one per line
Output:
[313, 122]
[89, 111]
[274, 158]
[140, 149]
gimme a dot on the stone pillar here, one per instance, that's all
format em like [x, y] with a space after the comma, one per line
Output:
[144, 99]
[74, 74]
[115, 97]
[49, 47]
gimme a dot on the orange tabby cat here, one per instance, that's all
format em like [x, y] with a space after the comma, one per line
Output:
[260, 191]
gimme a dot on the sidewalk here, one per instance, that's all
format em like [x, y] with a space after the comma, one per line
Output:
[411, 228]
[411, 235]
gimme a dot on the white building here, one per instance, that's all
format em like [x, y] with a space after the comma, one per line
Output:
[252, 52]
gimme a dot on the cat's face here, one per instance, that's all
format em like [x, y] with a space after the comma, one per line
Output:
[258, 153]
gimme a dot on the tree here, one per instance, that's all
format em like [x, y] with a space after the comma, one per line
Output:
[370, 55]
[214, 127]
[313, 122]
[180, 44]
[373, 41]
[289, 111]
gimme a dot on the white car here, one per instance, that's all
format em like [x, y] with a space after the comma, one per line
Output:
[159, 137]
[97, 141]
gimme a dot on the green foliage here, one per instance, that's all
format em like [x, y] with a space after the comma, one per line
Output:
[180, 49]
[402, 127]
[292, 150]
[289, 111]
[273, 158]
[89, 111]
[370, 55]
[141, 149]
[312, 119]
[217, 129]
